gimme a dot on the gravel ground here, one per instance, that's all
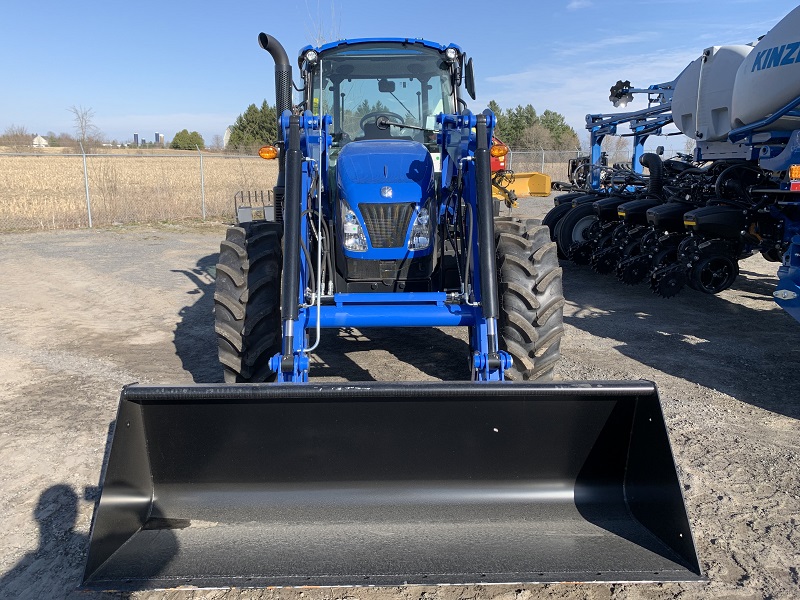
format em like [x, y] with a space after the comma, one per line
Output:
[84, 312]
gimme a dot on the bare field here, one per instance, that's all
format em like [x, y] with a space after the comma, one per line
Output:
[48, 190]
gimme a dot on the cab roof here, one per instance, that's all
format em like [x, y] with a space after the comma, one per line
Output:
[403, 41]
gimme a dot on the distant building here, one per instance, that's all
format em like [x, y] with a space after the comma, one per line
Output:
[40, 142]
[227, 137]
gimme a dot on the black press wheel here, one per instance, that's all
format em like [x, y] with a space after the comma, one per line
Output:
[713, 274]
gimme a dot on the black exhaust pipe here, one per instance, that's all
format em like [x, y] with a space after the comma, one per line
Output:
[283, 101]
[283, 72]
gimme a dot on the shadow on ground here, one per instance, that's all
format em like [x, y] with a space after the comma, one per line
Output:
[695, 336]
[195, 343]
[351, 354]
[340, 354]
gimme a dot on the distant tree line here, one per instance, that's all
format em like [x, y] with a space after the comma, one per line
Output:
[89, 137]
[522, 128]
[519, 127]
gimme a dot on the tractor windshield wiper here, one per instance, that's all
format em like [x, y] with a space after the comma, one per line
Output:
[410, 114]
[383, 122]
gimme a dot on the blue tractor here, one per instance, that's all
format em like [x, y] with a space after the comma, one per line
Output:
[384, 217]
[387, 220]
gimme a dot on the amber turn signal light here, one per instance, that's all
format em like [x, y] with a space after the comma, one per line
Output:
[268, 152]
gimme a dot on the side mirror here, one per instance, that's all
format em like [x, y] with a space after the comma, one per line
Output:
[386, 86]
[469, 79]
[660, 150]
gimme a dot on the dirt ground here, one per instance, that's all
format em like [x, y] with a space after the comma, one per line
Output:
[84, 312]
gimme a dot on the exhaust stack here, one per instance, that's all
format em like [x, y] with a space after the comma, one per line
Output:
[283, 72]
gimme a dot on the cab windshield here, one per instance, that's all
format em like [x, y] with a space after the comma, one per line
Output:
[409, 84]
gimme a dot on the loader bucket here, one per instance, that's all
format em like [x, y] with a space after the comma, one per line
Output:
[256, 485]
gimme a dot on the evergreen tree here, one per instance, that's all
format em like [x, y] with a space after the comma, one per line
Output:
[501, 129]
[563, 135]
[519, 119]
[255, 127]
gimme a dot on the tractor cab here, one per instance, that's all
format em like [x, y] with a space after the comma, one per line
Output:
[383, 97]
[382, 89]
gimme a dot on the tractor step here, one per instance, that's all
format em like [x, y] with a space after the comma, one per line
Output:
[256, 485]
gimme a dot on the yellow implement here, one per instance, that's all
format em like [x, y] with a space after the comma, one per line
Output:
[530, 184]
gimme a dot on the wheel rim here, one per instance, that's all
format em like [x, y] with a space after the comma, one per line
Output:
[715, 274]
[581, 227]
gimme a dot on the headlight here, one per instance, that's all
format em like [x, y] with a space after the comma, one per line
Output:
[311, 57]
[421, 230]
[353, 236]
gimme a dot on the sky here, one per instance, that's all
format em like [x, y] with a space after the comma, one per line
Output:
[169, 65]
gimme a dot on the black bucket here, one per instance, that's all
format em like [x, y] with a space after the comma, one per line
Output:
[389, 484]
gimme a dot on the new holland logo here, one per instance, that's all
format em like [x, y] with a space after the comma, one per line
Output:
[779, 56]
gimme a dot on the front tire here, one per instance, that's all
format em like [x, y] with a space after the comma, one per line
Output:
[247, 301]
[531, 298]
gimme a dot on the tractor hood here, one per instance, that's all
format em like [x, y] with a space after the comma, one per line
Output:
[385, 171]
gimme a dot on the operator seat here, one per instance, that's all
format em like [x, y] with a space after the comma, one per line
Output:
[373, 132]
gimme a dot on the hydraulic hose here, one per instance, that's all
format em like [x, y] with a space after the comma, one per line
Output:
[723, 177]
[656, 167]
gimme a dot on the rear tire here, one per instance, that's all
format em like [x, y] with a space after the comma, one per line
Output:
[531, 299]
[247, 301]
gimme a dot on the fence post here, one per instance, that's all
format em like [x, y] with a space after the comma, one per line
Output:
[86, 183]
[202, 182]
[542, 160]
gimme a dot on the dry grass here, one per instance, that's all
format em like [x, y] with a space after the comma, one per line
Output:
[48, 190]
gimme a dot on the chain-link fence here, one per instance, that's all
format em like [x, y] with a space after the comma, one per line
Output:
[555, 162]
[55, 191]
[550, 162]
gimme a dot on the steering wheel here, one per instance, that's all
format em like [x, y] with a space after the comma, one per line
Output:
[380, 113]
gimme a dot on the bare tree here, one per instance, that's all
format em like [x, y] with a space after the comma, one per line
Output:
[17, 138]
[619, 149]
[689, 145]
[536, 137]
[217, 143]
[317, 30]
[86, 131]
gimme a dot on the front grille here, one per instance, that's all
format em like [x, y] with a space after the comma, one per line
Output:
[387, 224]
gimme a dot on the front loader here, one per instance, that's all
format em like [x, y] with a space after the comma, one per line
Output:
[386, 219]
